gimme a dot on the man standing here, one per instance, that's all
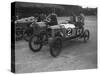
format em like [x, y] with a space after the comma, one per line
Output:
[81, 19]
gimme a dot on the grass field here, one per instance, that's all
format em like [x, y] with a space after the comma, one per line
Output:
[75, 54]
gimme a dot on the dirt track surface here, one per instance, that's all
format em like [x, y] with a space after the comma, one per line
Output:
[75, 54]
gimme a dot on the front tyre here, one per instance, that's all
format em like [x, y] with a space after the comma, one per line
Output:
[35, 43]
[55, 47]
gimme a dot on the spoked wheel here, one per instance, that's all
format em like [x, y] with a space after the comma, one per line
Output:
[86, 35]
[35, 43]
[55, 47]
[19, 35]
[28, 34]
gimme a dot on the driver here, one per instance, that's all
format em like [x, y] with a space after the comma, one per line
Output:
[53, 19]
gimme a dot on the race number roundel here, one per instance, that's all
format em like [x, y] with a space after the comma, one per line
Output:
[69, 31]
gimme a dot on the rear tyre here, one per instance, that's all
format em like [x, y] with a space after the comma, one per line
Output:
[55, 47]
[19, 35]
[28, 34]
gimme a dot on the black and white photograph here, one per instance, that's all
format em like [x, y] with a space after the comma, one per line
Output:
[53, 37]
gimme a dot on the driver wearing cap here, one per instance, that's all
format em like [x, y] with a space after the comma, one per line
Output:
[53, 19]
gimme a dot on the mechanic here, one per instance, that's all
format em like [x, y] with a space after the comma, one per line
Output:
[80, 22]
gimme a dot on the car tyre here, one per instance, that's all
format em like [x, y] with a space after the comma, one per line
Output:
[55, 47]
[35, 41]
[86, 35]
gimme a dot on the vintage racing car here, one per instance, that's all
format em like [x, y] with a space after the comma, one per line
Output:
[54, 36]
